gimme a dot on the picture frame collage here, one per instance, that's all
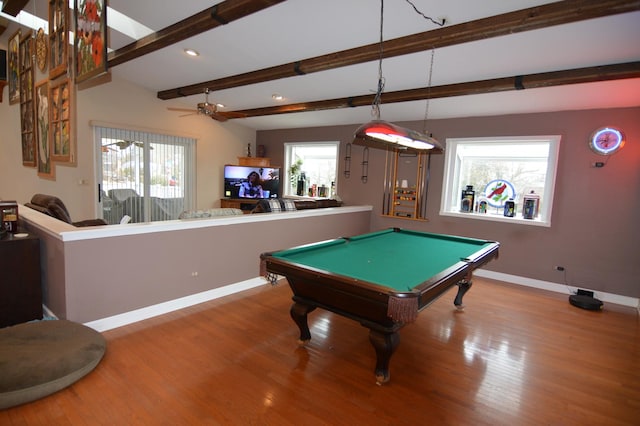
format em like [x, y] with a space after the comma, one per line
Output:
[41, 74]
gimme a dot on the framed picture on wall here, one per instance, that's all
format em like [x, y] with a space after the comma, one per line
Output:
[27, 108]
[43, 135]
[13, 63]
[90, 42]
[60, 115]
[58, 37]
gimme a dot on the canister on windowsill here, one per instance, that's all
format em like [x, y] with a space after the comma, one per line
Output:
[510, 208]
[467, 202]
[530, 205]
[482, 206]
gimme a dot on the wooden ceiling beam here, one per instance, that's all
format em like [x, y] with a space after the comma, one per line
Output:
[562, 12]
[523, 82]
[13, 7]
[215, 16]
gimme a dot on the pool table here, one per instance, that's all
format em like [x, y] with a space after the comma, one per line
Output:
[381, 279]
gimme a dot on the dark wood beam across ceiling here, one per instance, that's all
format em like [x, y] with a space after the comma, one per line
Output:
[215, 16]
[552, 14]
[523, 82]
[13, 7]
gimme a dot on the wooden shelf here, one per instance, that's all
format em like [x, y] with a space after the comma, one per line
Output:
[254, 161]
[406, 185]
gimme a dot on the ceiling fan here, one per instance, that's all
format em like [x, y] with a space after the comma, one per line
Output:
[123, 145]
[204, 108]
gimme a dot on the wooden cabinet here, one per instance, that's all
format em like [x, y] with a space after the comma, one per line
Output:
[254, 161]
[244, 204]
[20, 284]
[406, 185]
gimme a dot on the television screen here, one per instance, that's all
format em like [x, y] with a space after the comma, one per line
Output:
[251, 182]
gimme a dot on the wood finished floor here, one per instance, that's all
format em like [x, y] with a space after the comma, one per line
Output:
[515, 356]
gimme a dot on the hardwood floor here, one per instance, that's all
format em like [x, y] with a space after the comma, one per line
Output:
[515, 356]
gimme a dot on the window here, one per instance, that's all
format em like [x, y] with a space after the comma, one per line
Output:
[145, 176]
[500, 171]
[311, 169]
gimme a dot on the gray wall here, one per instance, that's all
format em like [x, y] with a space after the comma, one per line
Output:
[595, 232]
[107, 274]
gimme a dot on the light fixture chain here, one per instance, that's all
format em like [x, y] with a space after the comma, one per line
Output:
[426, 108]
[375, 109]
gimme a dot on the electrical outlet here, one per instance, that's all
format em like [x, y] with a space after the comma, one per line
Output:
[558, 268]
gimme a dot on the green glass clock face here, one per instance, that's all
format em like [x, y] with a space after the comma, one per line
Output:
[606, 140]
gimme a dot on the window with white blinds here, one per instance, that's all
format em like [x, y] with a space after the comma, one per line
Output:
[144, 177]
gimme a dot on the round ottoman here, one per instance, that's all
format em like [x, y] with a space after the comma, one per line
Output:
[42, 357]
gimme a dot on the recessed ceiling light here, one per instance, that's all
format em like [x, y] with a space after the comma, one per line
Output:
[277, 97]
[191, 52]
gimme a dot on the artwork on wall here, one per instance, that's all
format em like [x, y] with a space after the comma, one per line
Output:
[42, 50]
[58, 37]
[60, 121]
[14, 68]
[43, 138]
[27, 109]
[90, 38]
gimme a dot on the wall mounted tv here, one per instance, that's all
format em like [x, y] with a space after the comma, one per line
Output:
[237, 185]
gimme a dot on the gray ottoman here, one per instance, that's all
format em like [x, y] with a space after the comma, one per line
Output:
[42, 357]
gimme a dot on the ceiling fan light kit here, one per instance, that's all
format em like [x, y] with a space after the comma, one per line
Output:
[205, 108]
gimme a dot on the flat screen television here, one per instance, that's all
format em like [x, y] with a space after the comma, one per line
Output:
[237, 184]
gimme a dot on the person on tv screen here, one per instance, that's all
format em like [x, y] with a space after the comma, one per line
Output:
[252, 188]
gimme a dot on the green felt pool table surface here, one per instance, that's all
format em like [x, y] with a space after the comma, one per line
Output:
[397, 259]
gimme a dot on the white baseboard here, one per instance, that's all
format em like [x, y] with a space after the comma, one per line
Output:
[633, 302]
[126, 318]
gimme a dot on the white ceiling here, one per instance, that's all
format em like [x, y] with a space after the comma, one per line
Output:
[301, 29]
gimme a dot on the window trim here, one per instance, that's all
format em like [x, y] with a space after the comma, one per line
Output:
[450, 170]
[288, 162]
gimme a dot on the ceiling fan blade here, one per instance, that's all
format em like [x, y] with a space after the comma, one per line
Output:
[187, 115]
[218, 117]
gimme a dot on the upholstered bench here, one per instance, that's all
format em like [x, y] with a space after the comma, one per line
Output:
[208, 213]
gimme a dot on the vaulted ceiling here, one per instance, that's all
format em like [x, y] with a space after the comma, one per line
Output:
[490, 57]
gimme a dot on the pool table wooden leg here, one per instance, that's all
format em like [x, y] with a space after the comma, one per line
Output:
[299, 313]
[463, 287]
[385, 345]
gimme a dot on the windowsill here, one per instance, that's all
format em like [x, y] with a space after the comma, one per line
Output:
[498, 218]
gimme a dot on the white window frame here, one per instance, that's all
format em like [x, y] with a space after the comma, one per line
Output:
[452, 185]
[144, 188]
[289, 189]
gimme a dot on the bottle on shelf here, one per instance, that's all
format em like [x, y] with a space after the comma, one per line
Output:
[510, 208]
[468, 196]
[530, 205]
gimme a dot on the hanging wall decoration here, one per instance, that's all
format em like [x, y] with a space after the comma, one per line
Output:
[43, 136]
[60, 121]
[42, 55]
[90, 38]
[26, 101]
[14, 68]
[58, 37]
